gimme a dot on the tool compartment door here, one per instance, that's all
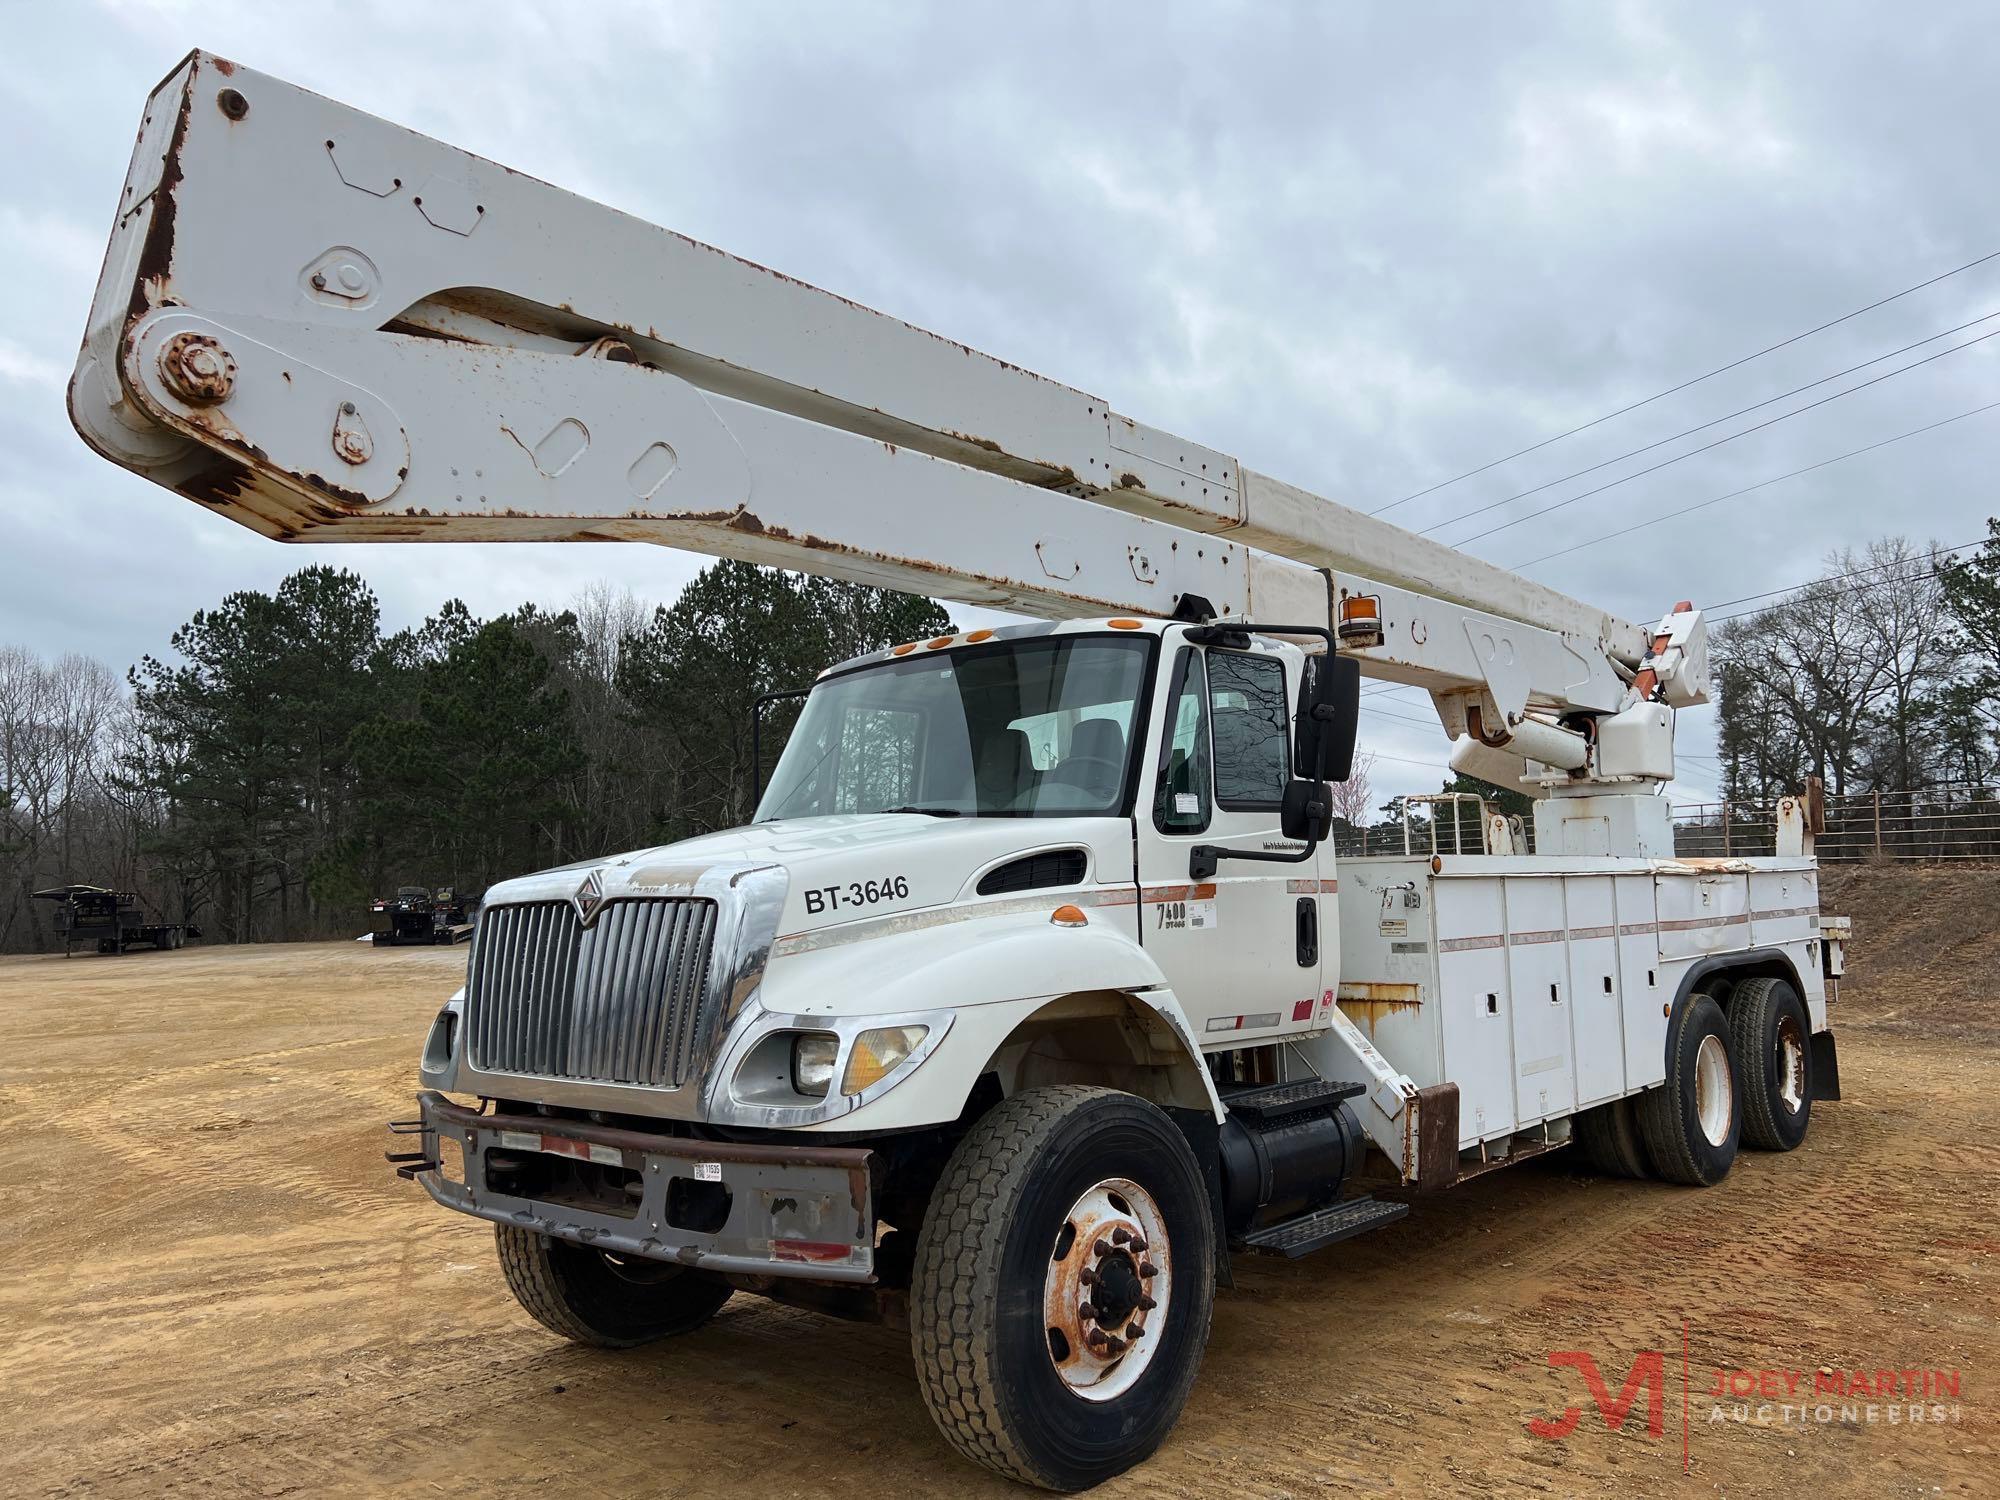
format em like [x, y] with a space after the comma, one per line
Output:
[1476, 1004]
[1596, 995]
[1538, 978]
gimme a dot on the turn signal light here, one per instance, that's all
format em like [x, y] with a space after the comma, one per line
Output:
[878, 1053]
[1068, 916]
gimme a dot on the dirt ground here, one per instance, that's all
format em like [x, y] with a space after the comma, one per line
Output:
[213, 1284]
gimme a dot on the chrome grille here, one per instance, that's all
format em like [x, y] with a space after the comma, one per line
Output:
[616, 1002]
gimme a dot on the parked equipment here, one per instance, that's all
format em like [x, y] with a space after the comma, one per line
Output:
[415, 914]
[1033, 993]
[113, 920]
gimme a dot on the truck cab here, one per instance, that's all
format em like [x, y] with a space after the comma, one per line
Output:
[971, 867]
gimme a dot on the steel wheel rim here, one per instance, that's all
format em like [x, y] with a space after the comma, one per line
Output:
[1111, 1245]
[1791, 1065]
[1714, 1090]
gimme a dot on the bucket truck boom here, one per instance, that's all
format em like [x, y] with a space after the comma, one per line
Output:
[1031, 993]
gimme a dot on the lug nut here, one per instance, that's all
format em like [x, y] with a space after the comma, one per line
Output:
[1114, 1346]
[1146, 1268]
[1087, 1276]
[1087, 1312]
[1120, 1236]
[1133, 1330]
[1146, 1304]
[1100, 1249]
[1138, 1246]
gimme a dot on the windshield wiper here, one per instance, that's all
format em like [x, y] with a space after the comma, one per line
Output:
[929, 812]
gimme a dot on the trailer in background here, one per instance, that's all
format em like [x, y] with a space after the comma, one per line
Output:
[417, 915]
[113, 920]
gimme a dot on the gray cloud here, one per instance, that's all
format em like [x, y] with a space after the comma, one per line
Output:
[1363, 248]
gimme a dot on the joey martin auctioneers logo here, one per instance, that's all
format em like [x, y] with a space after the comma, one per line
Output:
[1774, 1397]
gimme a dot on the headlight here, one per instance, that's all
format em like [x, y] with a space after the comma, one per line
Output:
[813, 1053]
[878, 1053]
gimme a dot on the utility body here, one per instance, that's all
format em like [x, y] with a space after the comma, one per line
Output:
[1034, 992]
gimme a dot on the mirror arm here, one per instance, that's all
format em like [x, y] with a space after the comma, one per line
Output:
[1202, 858]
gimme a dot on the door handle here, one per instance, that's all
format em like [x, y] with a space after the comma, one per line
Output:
[1308, 931]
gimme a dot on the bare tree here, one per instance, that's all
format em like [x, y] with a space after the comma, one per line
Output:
[1352, 799]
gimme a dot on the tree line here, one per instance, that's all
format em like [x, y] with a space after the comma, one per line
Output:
[287, 759]
[1882, 675]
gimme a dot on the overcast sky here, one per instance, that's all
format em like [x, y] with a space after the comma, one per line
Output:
[1363, 248]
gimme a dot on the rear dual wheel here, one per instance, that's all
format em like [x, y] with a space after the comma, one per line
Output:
[1692, 1125]
[1772, 1036]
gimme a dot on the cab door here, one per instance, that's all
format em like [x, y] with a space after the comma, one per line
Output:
[1242, 950]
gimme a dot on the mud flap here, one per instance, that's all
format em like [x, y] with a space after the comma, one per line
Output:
[1437, 1137]
[1825, 1066]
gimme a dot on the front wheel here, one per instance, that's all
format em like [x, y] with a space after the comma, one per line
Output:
[1064, 1278]
[595, 1297]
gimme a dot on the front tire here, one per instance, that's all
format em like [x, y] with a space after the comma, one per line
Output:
[611, 1302]
[1773, 1037]
[1692, 1124]
[1064, 1279]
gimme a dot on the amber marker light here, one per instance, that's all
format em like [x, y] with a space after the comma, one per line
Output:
[1068, 916]
[943, 640]
[1127, 625]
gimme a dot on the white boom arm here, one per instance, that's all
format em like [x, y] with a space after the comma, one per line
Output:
[330, 328]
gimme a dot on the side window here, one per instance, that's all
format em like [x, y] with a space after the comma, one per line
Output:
[1246, 694]
[1180, 798]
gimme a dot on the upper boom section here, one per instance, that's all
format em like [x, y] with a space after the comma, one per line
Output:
[328, 327]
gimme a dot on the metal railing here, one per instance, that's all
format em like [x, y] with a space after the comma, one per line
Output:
[1948, 822]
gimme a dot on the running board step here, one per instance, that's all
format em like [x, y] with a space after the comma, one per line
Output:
[1328, 1226]
[1276, 1100]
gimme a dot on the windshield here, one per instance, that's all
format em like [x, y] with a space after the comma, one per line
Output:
[1028, 729]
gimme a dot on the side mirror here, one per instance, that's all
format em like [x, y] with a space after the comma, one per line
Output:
[1329, 710]
[1307, 811]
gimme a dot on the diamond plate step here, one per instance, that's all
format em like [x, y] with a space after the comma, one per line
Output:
[1275, 1100]
[1328, 1226]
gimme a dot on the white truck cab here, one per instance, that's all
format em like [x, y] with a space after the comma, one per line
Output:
[1032, 994]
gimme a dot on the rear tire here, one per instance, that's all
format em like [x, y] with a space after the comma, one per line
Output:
[1773, 1037]
[1692, 1124]
[1609, 1139]
[610, 1302]
[1033, 1222]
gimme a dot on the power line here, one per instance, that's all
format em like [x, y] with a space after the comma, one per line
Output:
[1842, 577]
[1742, 411]
[1760, 484]
[1705, 447]
[1859, 588]
[1685, 384]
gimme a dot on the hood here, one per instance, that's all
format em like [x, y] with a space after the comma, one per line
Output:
[849, 867]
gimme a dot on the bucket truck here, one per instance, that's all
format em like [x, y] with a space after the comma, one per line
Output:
[1033, 996]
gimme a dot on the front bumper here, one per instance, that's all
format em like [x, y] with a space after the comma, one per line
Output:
[763, 1210]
